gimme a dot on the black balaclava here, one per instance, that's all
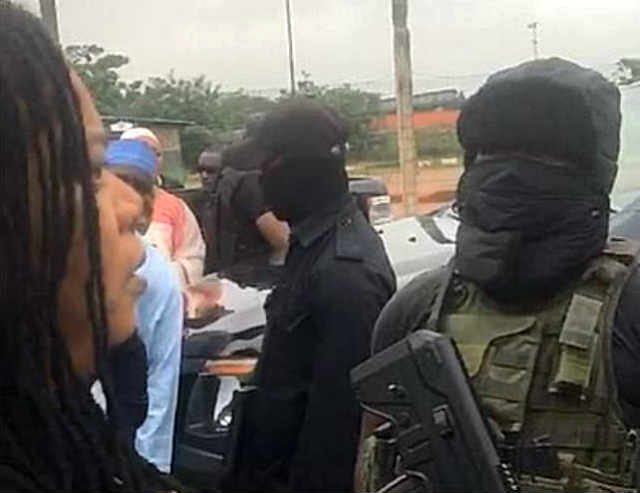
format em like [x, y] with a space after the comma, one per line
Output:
[305, 172]
[541, 145]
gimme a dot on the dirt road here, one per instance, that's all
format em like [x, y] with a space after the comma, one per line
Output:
[436, 186]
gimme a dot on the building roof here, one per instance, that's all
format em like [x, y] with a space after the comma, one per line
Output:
[147, 121]
[441, 98]
[432, 93]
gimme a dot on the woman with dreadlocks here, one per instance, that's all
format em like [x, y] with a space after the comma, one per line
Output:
[68, 250]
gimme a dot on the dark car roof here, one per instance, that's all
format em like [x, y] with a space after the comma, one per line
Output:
[367, 185]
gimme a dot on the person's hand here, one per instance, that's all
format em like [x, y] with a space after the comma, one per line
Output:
[202, 298]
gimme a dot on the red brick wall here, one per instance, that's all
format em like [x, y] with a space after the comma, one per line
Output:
[421, 119]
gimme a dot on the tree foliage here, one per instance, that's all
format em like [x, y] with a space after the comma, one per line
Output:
[172, 98]
[199, 101]
[194, 139]
[354, 106]
[99, 70]
[236, 108]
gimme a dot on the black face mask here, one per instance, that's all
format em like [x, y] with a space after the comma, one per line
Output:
[295, 188]
[527, 228]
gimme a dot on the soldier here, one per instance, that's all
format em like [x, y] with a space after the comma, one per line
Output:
[303, 422]
[535, 297]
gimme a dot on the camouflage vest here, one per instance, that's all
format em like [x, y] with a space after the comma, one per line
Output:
[543, 371]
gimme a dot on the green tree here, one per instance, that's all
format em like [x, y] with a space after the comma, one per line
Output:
[194, 100]
[195, 139]
[236, 108]
[354, 106]
[199, 101]
[99, 70]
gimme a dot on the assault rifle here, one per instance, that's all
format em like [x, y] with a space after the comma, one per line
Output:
[441, 440]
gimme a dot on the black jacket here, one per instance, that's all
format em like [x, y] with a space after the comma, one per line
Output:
[229, 221]
[305, 420]
[128, 365]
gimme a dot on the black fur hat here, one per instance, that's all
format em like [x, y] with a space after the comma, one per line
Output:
[551, 109]
[302, 127]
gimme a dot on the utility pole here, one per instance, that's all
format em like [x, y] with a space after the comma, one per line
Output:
[534, 38]
[404, 104]
[292, 71]
[50, 18]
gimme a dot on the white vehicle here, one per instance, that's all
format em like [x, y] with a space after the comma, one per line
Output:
[218, 356]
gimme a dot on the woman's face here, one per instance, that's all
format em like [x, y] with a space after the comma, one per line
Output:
[119, 209]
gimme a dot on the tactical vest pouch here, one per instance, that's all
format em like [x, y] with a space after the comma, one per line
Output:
[499, 352]
[547, 373]
[578, 343]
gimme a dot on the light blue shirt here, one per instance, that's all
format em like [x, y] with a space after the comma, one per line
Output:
[159, 318]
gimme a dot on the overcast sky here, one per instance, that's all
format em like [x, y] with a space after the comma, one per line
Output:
[242, 43]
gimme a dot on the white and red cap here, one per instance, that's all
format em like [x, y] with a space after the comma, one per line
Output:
[143, 134]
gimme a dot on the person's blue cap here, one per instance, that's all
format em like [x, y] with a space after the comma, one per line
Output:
[133, 153]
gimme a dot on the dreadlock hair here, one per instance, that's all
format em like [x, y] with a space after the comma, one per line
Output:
[53, 437]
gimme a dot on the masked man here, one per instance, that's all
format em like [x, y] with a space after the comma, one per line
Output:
[303, 422]
[541, 306]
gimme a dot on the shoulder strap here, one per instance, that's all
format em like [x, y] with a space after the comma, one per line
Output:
[436, 309]
[430, 311]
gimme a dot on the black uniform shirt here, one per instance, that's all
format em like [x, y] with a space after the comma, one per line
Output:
[319, 323]
[229, 221]
[248, 199]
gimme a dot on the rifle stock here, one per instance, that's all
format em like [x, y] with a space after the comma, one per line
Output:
[432, 418]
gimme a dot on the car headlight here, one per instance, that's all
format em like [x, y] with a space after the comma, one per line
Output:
[225, 417]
